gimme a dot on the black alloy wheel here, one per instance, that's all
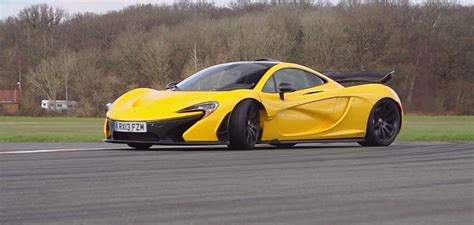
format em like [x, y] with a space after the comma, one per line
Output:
[383, 125]
[244, 126]
[253, 124]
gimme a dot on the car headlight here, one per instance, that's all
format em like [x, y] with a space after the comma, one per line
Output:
[206, 107]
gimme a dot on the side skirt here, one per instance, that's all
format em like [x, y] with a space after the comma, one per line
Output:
[339, 140]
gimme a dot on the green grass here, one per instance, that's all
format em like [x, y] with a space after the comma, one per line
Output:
[70, 129]
[50, 129]
[437, 128]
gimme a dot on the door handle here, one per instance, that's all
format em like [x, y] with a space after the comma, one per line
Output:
[312, 92]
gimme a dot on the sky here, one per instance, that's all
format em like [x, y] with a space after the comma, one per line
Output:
[12, 7]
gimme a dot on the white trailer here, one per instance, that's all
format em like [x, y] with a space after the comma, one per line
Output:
[59, 105]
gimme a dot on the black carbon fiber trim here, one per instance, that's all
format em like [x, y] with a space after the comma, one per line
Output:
[157, 131]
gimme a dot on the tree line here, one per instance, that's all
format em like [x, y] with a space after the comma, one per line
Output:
[93, 58]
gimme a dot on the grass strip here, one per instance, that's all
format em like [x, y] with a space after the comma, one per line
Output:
[72, 129]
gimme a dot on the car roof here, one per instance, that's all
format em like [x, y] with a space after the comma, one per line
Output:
[267, 63]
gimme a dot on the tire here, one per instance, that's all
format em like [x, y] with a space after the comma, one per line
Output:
[383, 125]
[284, 145]
[244, 126]
[139, 146]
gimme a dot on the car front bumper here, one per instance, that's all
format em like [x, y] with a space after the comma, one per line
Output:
[165, 131]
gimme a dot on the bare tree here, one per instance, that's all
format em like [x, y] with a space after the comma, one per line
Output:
[50, 77]
[42, 17]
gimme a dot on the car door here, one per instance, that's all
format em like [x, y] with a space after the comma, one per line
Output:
[301, 114]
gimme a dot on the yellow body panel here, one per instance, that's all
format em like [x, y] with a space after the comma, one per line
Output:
[328, 111]
[152, 105]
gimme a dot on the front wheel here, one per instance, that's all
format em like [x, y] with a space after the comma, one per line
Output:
[139, 146]
[383, 125]
[244, 126]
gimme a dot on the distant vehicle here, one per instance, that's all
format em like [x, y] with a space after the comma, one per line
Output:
[62, 106]
[264, 101]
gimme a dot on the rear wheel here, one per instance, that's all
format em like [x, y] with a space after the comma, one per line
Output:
[140, 146]
[244, 126]
[383, 125]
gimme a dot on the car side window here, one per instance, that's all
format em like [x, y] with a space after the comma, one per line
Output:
[300, 78]
[270, 86]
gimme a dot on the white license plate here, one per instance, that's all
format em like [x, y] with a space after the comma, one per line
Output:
[136, 127]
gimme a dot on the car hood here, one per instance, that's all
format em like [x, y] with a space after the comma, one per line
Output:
[148, 104]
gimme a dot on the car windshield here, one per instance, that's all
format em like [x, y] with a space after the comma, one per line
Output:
[225, 77]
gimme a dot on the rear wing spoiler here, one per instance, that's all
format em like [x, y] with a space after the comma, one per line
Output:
[368, 77]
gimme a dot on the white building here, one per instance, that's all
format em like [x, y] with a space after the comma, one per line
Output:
[59, 105]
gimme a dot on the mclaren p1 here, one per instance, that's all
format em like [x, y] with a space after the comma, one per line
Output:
[241, 104]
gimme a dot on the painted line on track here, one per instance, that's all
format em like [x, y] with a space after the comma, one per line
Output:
[55, 150]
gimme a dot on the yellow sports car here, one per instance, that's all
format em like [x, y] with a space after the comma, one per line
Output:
[241, 104]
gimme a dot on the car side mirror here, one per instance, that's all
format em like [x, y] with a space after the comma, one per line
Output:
[108, 106]
[172, 85]
[285, 87]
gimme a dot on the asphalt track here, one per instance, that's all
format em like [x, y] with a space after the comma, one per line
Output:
[406, 183]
